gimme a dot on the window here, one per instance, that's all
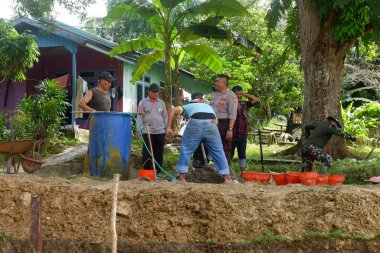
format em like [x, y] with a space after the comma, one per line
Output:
[146, 79]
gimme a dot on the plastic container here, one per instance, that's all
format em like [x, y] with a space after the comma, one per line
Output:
[308, 178]
[147, 174]
[322, 179]
[279, 178]
[337, 179]
[109, 144]
[292, 177]
[256, 177]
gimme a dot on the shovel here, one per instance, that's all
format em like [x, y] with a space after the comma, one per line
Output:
[151, 151]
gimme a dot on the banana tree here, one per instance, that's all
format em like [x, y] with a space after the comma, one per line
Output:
[172, 43]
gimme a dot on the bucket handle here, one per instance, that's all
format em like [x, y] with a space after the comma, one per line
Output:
[149, 159]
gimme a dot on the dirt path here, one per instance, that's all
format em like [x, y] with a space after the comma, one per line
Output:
[184, 212]
[67, 155]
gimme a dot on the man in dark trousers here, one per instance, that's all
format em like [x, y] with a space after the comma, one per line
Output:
[200, 128]
[152, 113]
[240, 131]
[224, 103]
[317, 136]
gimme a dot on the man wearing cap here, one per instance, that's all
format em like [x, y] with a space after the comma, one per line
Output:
[152, 113]
[200, 128]
[224, 103]
[317, 136]
[98, 98]
[240, 131]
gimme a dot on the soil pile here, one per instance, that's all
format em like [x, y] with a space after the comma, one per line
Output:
[154, 212]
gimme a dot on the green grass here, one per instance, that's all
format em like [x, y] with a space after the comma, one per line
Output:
[59, 145]
[272, 237]
[3, 234]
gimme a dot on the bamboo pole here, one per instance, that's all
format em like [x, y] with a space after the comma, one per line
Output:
[151, 150]
[116, 178]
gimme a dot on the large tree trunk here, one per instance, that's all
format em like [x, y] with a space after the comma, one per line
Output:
[322, 62]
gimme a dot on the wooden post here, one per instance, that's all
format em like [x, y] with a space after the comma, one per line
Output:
[36, 225]
[116, 178]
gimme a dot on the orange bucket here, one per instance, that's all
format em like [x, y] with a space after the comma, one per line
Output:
[336, 179]
[279, 179]
[256, 177]
[147, 174]
[308, 178]
[292, 177]
[265, 178]
[322, 179]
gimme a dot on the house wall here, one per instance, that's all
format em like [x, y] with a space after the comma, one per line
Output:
[129, 90]
[156, 75]
[16, 92]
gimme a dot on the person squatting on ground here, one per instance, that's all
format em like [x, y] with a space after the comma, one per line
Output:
[152, 113]
[202, 127]
[317, 136]
[240, 130]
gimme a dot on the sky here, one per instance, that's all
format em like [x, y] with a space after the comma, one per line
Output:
[95, 10]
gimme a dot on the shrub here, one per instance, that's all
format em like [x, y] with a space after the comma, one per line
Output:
[46, 108]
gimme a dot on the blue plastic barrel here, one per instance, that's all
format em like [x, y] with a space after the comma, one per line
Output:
[109, 144]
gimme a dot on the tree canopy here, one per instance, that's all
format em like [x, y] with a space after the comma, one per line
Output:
[18, 52]
[275, 76]
[45, 8]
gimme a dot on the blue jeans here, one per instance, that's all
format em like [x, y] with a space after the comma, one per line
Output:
[202, 130]
[241, 144]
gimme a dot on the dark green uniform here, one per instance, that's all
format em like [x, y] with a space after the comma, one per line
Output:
[318, 135]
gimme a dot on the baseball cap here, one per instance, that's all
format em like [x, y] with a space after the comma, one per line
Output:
[106, 76]
[196, 96]
[335, 119]
[154, 87]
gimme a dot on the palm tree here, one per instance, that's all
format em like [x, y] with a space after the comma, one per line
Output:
[176, 36]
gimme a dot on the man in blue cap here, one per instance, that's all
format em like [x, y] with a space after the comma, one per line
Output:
[202, 127]
[317, 136]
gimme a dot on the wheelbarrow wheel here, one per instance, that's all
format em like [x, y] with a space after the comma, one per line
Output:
[31, 163]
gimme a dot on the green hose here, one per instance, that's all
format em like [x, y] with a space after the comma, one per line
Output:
[146, 147]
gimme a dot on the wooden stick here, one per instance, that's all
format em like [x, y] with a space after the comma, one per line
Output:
[151, 150]
[204, 152]
[36, 225]
[116, 178]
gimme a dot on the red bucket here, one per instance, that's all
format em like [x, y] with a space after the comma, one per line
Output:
[336, 179]
[322, 179]
[308, 178]
[256, 177]
[149, 174]
[280, 179]
[293, 177]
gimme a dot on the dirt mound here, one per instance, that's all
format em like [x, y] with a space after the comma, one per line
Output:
[206, 174]
[154, 212]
